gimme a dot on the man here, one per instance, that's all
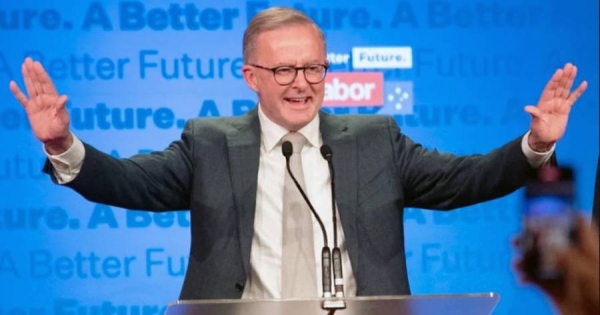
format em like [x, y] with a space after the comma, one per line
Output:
[230, 172]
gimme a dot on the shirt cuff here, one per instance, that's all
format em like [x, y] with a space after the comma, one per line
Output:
[535, 159]
[67, 165]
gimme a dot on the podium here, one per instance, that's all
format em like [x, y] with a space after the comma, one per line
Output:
[453, 304]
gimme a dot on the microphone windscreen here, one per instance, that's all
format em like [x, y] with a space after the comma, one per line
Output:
[287, 149]
[326, 152]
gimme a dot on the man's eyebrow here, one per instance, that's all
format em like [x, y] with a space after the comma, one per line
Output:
[310, 62]
[284, 64]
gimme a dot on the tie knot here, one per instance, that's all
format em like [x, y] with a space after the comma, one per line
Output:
[297, 139]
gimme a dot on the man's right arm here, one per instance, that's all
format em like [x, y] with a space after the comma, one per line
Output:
[158, 181]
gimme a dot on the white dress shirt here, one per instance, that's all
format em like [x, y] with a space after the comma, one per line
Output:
[264, 280]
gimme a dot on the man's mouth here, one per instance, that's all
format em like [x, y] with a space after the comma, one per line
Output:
[298, 100]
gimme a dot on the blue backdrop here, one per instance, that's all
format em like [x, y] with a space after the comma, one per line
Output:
[135, 71]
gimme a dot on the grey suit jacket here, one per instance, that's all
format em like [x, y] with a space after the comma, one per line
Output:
[212, 171]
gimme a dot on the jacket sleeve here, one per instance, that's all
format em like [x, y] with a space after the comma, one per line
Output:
[434, 180]
[158, 181]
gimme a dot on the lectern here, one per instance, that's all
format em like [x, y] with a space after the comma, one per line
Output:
[454, 304]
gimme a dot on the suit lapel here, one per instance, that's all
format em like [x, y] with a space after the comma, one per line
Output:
[244, 154]
[335, 133]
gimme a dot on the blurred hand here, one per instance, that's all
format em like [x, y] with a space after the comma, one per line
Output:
[578, 293]
[581, 293]
[45, 109]
[549, 118]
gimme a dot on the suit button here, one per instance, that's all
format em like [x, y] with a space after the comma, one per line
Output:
[239, 286]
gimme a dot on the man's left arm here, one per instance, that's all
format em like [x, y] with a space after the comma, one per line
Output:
[441, 181]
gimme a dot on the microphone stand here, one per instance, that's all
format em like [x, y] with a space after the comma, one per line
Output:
[337, 302]
[330, 303]
[287, 150]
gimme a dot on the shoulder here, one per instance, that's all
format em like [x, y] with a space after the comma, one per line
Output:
[210, 124]
[362, 124]
[217, 131]
[370, 122]
[223, 125]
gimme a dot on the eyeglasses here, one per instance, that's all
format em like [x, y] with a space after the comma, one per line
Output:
[284, 75]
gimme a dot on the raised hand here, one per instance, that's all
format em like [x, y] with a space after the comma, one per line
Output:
[549, 118]
[45, 108]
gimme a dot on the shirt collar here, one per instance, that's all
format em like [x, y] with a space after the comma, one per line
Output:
[271, 133]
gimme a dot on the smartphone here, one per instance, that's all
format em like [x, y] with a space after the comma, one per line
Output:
[548, 222]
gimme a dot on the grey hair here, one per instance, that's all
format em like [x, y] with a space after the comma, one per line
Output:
[271, 19]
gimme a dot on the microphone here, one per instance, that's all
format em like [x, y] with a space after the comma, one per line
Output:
[287, 150]
[337, 254]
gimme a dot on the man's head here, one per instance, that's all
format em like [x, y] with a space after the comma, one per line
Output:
[281, 37]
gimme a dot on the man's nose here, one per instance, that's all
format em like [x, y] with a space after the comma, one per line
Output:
[300, 80]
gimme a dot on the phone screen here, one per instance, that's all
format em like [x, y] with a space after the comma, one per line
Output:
[548, 221]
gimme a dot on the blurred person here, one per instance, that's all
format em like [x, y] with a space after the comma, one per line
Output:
[596, 208]
[577, 292]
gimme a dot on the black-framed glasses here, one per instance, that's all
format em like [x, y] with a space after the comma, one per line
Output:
[284, 75]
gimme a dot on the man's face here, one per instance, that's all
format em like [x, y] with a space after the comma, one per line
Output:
[294, 105]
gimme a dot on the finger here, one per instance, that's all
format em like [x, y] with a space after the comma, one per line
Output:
[518, 265]
[577, 264]
[563, 91]
[573, 261]
[37, 85]
[554, 291]
[577, 93]
[569, 289]
[45, 82]
[562, 83]
[588, 240]
[59, 105]
[593, 225]
[587, 271]
[550, 89]
[522, 277]
[14, 88]
[571, 74]
[27, 78]
[61, 102]
[517, 241]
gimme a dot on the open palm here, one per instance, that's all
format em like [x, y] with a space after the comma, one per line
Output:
[45, 108]
[550, 116]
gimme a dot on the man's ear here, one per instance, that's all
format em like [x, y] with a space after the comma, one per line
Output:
[250, 77]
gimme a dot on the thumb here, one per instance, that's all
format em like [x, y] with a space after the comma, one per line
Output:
[59, 106]
[534, 111]
[61, 102]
